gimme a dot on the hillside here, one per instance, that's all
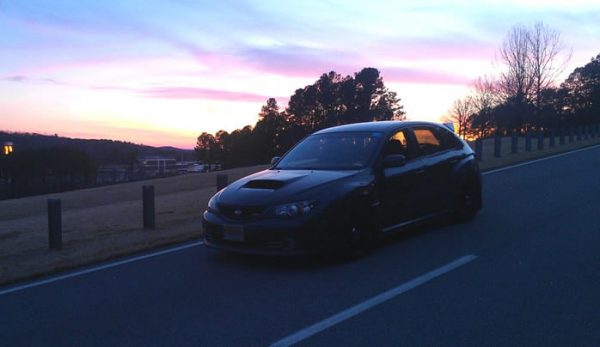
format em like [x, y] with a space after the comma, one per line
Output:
[102, 151]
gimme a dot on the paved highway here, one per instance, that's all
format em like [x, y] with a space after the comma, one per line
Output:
[525, 272]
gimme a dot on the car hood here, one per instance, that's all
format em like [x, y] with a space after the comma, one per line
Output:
[272, 187]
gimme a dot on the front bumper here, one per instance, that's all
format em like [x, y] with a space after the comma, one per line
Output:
[294, 236]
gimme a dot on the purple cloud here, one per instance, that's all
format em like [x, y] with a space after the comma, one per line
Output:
[16, 78]
[404, 75]
[293, 61]
[202, 93]
[455, 48]
[306, 62]
[26, 79]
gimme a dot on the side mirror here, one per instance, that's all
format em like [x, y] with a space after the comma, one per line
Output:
[274, 160]
[394, 160]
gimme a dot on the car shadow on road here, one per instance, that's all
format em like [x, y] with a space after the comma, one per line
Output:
[321, 262]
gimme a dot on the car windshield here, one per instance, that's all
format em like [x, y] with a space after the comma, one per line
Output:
[332, 151]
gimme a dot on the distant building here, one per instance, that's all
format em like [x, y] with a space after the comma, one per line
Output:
[108, 174]
[198, 167]
[153, 166]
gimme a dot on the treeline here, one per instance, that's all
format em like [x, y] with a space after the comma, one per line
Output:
[102, 151]
[332, 100]
[525, 95]
[45, 170]
[42, 164]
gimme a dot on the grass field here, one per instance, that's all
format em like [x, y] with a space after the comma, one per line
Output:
[105, 222]
[102, 223]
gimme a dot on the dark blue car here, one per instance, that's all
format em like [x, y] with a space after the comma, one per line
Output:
[340, 189]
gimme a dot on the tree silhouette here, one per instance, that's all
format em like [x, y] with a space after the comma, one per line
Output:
[331, 100]
[530, 55]
[206, 146]
[581, 91]
[335, 100]
[266, 132]
[461, 114]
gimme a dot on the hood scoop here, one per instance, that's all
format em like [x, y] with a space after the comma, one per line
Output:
[264, 184]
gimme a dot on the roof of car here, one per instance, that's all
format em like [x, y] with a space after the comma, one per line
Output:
[384, 126]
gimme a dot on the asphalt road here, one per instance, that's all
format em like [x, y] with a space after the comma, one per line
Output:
[530, 276]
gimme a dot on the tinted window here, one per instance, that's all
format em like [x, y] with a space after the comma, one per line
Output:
[332, 151]
[397, 144]
[427, 141]
[448, 139]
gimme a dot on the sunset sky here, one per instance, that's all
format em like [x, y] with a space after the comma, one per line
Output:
[162, 72]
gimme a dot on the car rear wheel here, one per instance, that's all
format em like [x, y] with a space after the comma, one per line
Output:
[468, 202]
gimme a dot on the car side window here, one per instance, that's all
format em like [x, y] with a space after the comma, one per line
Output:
[448, 139]
[397, 144]
[428, 141]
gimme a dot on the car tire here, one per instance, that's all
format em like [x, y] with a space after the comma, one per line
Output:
[468, 202]
[359, 237]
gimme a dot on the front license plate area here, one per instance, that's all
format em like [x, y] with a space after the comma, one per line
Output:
[233, 233]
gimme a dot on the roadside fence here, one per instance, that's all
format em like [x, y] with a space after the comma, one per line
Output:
[546, 138]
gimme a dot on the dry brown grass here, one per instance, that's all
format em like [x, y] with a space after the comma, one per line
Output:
[105, 222]
[102, 223]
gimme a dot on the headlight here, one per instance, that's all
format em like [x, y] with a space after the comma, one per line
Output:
[294, 209]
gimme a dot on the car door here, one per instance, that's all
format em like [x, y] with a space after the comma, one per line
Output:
[439, 155]
[399, 187]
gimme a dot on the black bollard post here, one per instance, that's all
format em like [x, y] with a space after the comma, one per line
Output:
[497, 145]
[561, 135]
[540, 140]
[571, 134]
[54, 224]
[578, 130]
[222, 181]
[528, 141]
[514, 143]
[587, 132]
[551, 135]
[148, 201]
[479, 149]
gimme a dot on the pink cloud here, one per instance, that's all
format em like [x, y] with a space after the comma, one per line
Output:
[311, 63]
[404, 75]
[458, 47]
[202, 93]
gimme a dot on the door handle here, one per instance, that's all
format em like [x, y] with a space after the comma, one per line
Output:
[420, 172]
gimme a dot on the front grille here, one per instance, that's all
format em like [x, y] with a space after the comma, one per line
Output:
[241, 212]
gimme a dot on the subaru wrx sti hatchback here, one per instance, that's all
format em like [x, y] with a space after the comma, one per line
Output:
[341, 188]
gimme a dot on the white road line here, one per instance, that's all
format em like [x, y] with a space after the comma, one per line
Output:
[374, 301]
[538, 160]
[98, 268]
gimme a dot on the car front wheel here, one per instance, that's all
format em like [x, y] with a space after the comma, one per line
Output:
[359, 236]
